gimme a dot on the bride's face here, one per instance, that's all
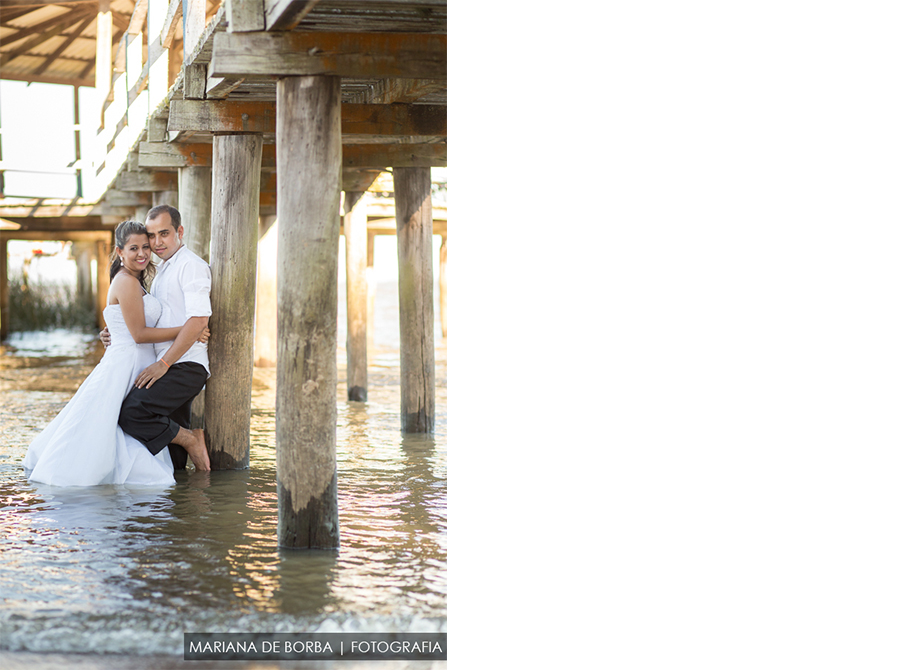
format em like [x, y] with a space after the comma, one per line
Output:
[136, 253]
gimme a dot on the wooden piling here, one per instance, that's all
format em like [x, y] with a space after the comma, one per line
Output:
[356, 239]
[412, 197]
[442, 281]
[84, 253]
[4, 289]
[165, 198]
[104, 249]
[308, 137]
[194, 204]
[233, 238]
[371, 286]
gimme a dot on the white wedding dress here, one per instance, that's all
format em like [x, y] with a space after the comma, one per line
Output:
[84, 444]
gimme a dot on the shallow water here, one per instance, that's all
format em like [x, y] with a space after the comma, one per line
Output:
[125, 570]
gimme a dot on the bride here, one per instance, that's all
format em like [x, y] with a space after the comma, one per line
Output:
[84, 444]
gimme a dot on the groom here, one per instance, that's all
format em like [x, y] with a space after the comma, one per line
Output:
[159, 405]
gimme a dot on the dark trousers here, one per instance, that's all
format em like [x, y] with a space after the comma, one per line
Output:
[154, 415]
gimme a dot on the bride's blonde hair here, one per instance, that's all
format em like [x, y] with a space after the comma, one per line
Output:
[123, 231]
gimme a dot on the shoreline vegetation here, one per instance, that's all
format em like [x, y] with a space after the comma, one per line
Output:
[40, 305]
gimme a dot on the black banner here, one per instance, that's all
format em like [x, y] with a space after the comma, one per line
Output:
[315, 646]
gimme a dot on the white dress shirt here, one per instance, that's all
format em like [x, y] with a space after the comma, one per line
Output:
[182, 285]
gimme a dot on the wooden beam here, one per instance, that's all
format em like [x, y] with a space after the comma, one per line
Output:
[147, 181]
[354, 55]
[33, 42]
[76, 80]
[358, 180]
[63, 21]
[219, 116]
[390, 91]
[65, 45]
[356, 119]
[394, 155]
[170, 25]
[355, 156]
[37, 4]
[286, 14]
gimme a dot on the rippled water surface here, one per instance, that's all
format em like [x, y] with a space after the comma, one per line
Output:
[129, 570]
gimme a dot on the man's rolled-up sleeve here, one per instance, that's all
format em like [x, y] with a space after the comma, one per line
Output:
[196, 282]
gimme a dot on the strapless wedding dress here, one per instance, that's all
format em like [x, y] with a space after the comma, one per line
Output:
[84, 444]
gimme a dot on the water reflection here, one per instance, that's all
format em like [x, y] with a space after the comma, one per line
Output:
[129, 569]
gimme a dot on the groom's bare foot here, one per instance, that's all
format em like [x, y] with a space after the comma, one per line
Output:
[194, 442]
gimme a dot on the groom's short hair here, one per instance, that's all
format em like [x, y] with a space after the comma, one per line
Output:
[173, 213]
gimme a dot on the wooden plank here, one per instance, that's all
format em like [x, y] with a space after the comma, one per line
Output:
[398, 119]
[356, 119]
[65, 45]
[76, 80]
[358, 180]
[354, 55]
[174, 155]
[219, 116]
[36, 4]
[390, 91]
[194, 82]
[355, 157]
[286, 14]
[218, 87]
[194, 24]
[394, 155]
[147, 181]
[170, 25]
[245, 15]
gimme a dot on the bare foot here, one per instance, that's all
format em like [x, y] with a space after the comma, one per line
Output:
[194, 442]
[199, 456]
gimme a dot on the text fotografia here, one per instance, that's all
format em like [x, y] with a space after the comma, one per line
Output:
[315, 646]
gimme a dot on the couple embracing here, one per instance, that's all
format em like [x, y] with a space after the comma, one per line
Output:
[128, 423]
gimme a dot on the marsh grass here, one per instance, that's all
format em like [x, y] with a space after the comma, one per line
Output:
[42, 306]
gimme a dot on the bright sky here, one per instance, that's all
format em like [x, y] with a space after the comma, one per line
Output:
[38, 133]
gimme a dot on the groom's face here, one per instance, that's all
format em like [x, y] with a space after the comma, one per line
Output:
[164, 239]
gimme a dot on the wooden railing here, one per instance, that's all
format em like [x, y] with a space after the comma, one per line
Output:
[131, 83]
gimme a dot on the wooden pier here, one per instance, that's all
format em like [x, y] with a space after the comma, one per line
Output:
[247, 112]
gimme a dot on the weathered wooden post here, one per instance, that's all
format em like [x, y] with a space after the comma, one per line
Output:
[265, 346]
[233, 236]
[412, 197]
[84, 253]
[194, 204]
[165, 198]
[308, 137]
[4, 289]
[371, 287]
[442, 280]
[356, 239]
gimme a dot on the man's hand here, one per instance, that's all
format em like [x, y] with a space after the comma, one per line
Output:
[204, 336]
[105, 338]
[151, 374]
